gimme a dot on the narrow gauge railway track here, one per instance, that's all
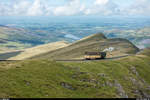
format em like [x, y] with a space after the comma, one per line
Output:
[74, 60]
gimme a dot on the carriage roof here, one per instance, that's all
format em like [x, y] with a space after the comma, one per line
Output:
[93, 53]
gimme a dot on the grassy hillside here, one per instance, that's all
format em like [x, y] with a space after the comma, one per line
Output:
[125, 77]
[27, 53]
[96, 42]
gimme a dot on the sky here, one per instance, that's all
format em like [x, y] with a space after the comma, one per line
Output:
[74, 7]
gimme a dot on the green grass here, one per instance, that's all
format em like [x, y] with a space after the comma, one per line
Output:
[44, 78]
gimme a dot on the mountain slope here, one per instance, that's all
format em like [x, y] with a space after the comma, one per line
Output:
[121, 78]
[27, 53]
[96, 42]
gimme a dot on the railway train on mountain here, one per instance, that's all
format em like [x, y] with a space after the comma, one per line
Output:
[95, 55]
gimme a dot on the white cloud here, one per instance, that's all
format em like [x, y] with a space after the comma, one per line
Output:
[140, 7]
[101, 2]
[23, 8]
[5, 9]
[20, 8]
[102, 7]
[72, 7]
[37, 8]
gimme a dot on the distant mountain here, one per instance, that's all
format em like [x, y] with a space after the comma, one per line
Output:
[139, 37]
[12, 38]
[96, 42]
[20, 38]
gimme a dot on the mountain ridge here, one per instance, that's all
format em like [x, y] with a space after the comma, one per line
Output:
[96, 42]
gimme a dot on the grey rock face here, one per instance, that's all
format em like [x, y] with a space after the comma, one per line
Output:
[120, 90]
[67, 85]
[133, 69]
